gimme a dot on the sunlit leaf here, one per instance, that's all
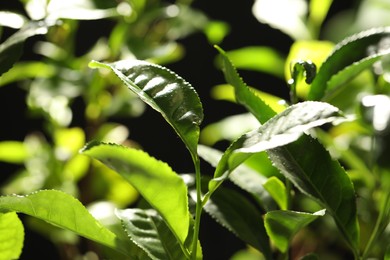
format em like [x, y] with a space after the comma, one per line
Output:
[318, 11]
[216, 31]
[149, 231]
[13, 151]
[258, 58]
[226, 92]
[315, 177]
[277, 190]
[11, 236]
[63, 210]
[77, 9]
[229, 128]
[158, 184]
[243, 94]
[12, 20]
[165, 92]
[11, 49]
[286, 15]
[26, 70]
[282, 225]
[354, 51]
[282, 129]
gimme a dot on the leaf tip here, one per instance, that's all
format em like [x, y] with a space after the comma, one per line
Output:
[93, 64]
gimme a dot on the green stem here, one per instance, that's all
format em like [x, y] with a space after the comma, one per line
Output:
[199, 207]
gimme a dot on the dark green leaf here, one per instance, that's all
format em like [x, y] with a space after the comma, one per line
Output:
[63, 210]
[353, 51]
[282, 129]
[164, 91]
[149, 231]
[11, 236]
[310, 167]
[244, 95]
[282, 225]
[159, 185]
[233, 211]
[11, 49]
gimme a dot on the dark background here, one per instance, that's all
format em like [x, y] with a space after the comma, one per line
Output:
[150, 130]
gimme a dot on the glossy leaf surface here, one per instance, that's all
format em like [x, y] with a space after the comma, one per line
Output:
[347, 53]
[282, 129]
[282, 225]
[165, 92]
[11, 49]
[63, 210]
[149, 231]
[243, 94]
[158, 184]
[323, 179]
[11, 236]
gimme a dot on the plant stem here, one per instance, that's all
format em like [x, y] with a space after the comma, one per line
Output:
[199, 207]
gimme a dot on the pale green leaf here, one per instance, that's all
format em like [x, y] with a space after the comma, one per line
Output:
[165, 92]
[158, 184]
[149, 231]
[258, 58]
[11, 236]
[26, 70]
[277, 190]
[63, 210]
[282, 225]
[13, 152]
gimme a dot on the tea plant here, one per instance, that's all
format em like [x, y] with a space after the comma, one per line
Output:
[310, 174]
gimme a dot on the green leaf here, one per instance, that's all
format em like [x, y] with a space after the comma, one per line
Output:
[282, 129]
[13, 152]
[25, 70]
[243, 176]
[63, 210]
[234, 211]
[282, 225]
[353, 51]
[309, 166]
[11, 49]
[165, 92]
[277, 190]
[158, 184]
[149, 231]
[258, 58]
[243, 94]
[11, 236]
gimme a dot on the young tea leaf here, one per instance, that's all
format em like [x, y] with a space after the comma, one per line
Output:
[310, 167]
[348, 53]
[63, 210]
[158, 184]
[165, 92]
[148, 230]
[244, 95]
[278, 191]
[282, 225]
[282, 129]
[11, 236]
